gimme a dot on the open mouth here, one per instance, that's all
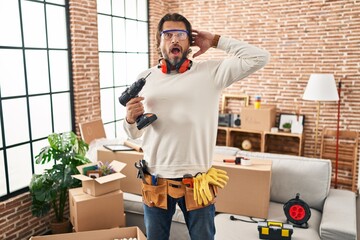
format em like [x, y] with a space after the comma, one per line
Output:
[175, 50]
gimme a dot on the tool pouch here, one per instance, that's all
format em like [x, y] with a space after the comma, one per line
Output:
[155, 196]
[191, 204]
[176, 189]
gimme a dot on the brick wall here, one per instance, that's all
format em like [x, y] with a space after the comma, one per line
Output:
[303, 37]
[17, 222]
[85, 61]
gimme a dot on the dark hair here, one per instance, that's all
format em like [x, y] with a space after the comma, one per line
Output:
[175, 17]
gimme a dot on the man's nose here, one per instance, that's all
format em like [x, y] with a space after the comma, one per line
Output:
[174, 38]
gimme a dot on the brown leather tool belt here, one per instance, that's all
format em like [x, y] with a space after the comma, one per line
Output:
[156, 195]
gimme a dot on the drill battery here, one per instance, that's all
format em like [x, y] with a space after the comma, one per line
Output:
[275, 230]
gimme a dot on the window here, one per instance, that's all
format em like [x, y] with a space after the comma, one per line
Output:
[123, 54]
[35, 97]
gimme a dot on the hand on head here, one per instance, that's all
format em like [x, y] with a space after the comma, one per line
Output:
[203, 40]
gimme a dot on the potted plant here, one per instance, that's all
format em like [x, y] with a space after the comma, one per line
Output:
[287, 127]
[49, 190]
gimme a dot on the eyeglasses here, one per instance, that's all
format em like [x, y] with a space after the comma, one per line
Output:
[169, 34]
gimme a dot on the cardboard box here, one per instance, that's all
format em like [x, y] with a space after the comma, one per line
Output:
[93, 213]
[131, 183]
[108, 234]
[101, 185]
[248, 190]
[262, 119]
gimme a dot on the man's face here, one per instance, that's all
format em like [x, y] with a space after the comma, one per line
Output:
[174, 45]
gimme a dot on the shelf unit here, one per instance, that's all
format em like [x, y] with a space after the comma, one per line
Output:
[222, 136]
[283, 143]
[262, 141]
[237, 135]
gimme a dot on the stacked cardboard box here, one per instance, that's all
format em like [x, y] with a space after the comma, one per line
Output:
[130, 184]
[99, 203]
[104, 184]
[248, 190]
[262, 119]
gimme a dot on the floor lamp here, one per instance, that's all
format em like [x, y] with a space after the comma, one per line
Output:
[337, 137]
[320, 87]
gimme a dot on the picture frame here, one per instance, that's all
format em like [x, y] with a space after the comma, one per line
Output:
[290, 118]
[228, 98]
[94, 173]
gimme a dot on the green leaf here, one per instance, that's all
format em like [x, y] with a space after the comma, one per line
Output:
[67, 152]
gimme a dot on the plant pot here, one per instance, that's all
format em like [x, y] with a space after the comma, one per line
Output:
[287, 130]
[60, 227]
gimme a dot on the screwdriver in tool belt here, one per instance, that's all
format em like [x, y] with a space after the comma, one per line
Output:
[154, 180]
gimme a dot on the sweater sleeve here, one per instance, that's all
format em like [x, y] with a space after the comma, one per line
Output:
[131, 130]
[245, 59]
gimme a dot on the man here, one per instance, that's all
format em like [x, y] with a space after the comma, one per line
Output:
[185, 96]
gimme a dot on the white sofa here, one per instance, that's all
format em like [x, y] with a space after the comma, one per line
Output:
[333, 211]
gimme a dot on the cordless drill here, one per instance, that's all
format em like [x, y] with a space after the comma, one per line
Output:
[132, 92]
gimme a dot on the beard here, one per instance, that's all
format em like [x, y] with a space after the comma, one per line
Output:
[175, 60]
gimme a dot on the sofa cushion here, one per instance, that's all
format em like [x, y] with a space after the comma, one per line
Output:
[235, 230]
[339, 216]
[228, 151]
[311, 177]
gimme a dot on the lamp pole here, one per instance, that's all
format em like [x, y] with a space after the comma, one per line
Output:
[337, 138]
[317, 127]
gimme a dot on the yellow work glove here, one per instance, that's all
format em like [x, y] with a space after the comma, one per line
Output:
[196, 185]
[202, 194]
[217, 177]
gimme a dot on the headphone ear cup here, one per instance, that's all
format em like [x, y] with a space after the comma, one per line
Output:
[186, 65]
[164, 65]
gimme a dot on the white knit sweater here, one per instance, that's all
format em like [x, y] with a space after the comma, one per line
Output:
[183, 137]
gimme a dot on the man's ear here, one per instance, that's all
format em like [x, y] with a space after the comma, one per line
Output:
[188, 52]
[159, 52]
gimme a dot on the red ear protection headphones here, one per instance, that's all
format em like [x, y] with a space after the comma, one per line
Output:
[184, 65]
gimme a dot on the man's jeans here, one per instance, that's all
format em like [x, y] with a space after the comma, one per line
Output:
[200, 222]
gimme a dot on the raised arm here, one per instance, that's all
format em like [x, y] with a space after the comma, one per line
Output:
[204, 40]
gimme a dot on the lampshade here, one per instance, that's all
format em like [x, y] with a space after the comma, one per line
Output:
[321, 87]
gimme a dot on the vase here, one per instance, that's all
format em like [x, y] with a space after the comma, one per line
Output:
[60, 227]
[287, 130]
